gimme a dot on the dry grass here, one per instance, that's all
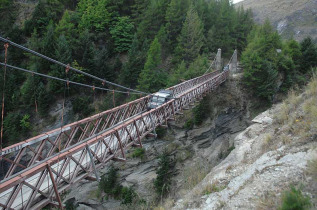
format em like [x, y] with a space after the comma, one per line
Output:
[215, 186]
[298, 114]
[194, 174]
[168, 204]
[267, 142]
[312, 168]
[268, 201]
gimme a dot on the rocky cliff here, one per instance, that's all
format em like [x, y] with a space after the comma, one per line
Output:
[292, 18]
[232, 161]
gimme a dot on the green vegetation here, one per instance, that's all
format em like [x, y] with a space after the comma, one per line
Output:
[271, 66]
[147, 45]
[138, 152]
[109, 185]
[164, 172]
[294, 199]
[201, 111]
[224, 154]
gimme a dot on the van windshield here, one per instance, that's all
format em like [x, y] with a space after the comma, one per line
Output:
[158, 99]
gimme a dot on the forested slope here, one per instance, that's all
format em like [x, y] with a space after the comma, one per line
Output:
[141, 44]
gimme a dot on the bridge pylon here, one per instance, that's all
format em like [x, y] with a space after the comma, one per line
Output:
[233, 65]
[218, 60]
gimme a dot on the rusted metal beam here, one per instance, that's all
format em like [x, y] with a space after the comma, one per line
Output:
[55, 188]
[115, 140]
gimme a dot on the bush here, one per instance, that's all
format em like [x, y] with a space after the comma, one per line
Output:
[25, 123]
[160, 132]
[201, 111]
[164, 174]
[127, 195]
[293, 199]
[189, 124]
[108, 183]
[138, 152]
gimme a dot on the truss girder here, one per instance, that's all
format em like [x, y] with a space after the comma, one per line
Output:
[107, 135]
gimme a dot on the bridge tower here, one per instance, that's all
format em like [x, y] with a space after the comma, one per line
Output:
[234, 63]
[218, 60]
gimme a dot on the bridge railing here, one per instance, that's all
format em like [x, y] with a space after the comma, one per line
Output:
[24, 154]
[35, 186]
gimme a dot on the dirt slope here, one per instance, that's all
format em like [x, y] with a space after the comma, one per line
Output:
[297, 18]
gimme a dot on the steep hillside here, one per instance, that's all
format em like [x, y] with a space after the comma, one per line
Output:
[297, 18]
[276, 152]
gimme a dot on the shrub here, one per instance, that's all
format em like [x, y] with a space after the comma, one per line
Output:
[201, 111]
[70, 204]
[164, 174]
[161, 132]
[293, 199]
[138, 152]
[25, 123]
[108, 183]
[224, 154]
[189, 124]
[127, 195]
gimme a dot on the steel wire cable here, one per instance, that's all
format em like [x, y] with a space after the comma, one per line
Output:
[67, 66]
[64, 80]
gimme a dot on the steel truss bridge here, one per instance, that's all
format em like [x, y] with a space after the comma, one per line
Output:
[44, 166]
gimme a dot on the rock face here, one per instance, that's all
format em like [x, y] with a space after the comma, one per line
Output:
[250, 173]
[204, 146]
[292, 18]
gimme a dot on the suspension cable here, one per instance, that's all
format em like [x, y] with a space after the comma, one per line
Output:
[210, 65]
[66, 66]
[63, 80]
[6, 46]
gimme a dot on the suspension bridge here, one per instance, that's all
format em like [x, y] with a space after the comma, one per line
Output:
[39, 169]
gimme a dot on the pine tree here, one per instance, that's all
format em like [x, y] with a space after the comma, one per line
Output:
[102, 68]
[260, 62]
[63, 54]
[309, 55]
[152, 77]
[178, 74]
[43, 100]
[47, 47]
[95, 16]
[122, 33]
[153, 17]
[175, 16]
[293, 49]
[66, 27]
[191, 38]
[132, 69]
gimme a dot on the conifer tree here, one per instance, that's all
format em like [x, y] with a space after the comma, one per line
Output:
[153, 17]
[152, 77]
[122, 34]
[94, 15]
[260, 62]
[191, 38]
[133, 67]
[309, 54]
[66, 27]
[175, 16]
[63, 54]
